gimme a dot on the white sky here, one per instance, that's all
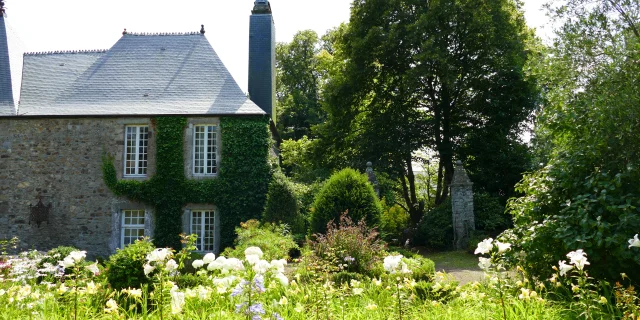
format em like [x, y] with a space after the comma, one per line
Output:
[50, 25]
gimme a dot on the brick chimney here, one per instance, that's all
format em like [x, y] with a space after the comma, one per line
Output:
[262, 58]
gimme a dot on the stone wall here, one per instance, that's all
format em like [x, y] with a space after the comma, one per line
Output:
[61, 160]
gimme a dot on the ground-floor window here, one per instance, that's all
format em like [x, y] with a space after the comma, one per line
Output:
[132, 226]
[202, 224]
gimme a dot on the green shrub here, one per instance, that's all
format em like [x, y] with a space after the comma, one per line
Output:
[275, 241]
[125, 267]
[435, 230]
[345, 191]
[343, 277]
[422, 269]
[349, 246]
[435, 291]
[393, 222]
[190, 280]
[283, 205]
[490, 215]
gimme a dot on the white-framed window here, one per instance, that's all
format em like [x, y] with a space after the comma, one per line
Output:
[132, 226]
[202, 224]
[205, 150]
[136, 144]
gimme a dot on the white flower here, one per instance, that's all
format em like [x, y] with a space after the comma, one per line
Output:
[403, 268]
[278, 265]
[371, 306]
[233, 264]
[136, 293]
[564, 268]
[93, 268]
[171, 265]
[2, 292]
[578, 258]
[177, 300]
[261, 266]
[148, 269]
[634, 242]
[160, 254]
[502, 247]
[197, 264]
[68, 262]
[357, 291]
[252, 258]
[253, 251]
[112, 306]
[485, 263]
[92, 288]
[391, 263]
[485, 246]
[208, 258]
[283, 301]
[77, 255]
[283, 279]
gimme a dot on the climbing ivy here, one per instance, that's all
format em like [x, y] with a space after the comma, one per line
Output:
[239, 190]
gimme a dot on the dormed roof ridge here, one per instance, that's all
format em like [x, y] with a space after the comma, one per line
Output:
[163, 33]
[65, 52]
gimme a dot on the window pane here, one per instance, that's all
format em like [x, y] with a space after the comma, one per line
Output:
[202, 224]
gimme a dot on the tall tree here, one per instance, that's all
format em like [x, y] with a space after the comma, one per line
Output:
[297, 85]
[439, 75]
[586, 194]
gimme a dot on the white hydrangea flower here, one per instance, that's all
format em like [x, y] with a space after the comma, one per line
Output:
[208, 258]
[177, 300]
[391, 263]
[253, 251]
[261, 266]
[252, 258]
[278, 265]
[197, 264]
[283, 279]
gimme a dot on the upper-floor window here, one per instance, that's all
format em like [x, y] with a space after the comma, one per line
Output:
[205, 150]
[136, 144]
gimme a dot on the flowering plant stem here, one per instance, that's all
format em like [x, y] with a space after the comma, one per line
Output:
[399, 299]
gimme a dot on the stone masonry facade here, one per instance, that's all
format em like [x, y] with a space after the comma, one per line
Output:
[61, 161]
[462, 206]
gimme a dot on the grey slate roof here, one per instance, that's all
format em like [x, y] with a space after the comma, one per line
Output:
[142, 74]
[7, 104]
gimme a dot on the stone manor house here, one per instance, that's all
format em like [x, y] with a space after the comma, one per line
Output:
[74, 107]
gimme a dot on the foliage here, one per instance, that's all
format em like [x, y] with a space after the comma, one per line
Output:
[585, 193]
[239, 192]
[349, 246]
[422, 269]
[445, 76]
[56, 254]
[394, 221]
[124, 268]
[489, 213]
[435, 230]
[298, 83]
[297, 161]
[283, 205]
[346, 190]
[274, 240]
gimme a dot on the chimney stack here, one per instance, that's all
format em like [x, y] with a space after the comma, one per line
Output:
[7, 105]
[262, 58]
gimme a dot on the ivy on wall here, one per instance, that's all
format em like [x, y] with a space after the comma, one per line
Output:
[239, 190]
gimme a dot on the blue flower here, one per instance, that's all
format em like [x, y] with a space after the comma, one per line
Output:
[277, 316]
[256, 308]
[240, 306]
[239, 288]
[258, 282]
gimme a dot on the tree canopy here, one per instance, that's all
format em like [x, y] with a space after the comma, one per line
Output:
[440, 75]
